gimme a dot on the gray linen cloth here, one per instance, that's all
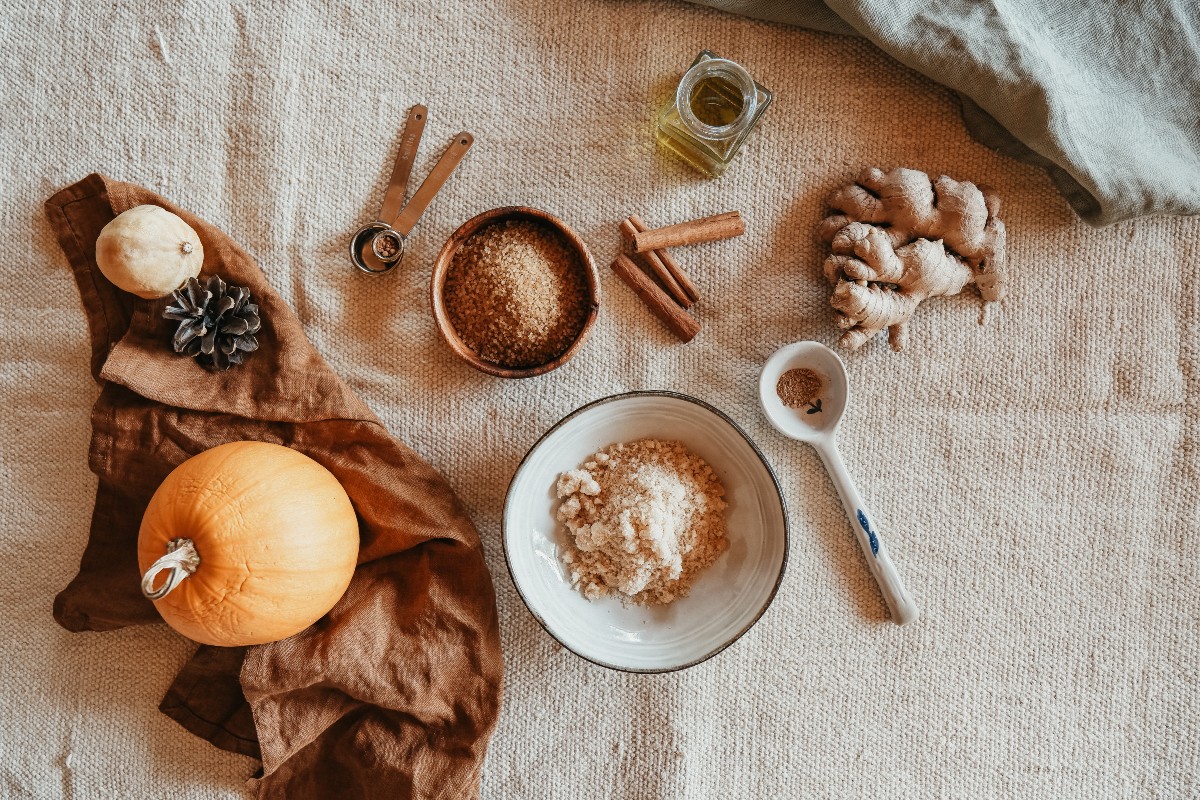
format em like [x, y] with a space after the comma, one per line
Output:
[1103, 94]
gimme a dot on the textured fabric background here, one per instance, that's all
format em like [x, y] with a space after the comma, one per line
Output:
[1036, 476]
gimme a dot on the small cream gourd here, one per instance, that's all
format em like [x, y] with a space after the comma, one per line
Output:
[247, 543]
[149, 251]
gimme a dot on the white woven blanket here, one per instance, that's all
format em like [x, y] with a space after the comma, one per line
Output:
[1036, 477]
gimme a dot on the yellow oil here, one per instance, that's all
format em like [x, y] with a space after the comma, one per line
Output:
[716, 102]
[689, 152]
[706, 127]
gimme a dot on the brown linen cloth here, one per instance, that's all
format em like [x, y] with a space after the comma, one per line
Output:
[396, 691]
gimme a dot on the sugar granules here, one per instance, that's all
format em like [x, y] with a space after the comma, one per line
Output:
[516, 293]
[644, 518]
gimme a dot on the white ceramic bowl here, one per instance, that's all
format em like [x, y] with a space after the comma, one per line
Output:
[727, 598]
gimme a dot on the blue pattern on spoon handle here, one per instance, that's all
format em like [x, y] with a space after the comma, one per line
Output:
[891, 586]
[866, 526]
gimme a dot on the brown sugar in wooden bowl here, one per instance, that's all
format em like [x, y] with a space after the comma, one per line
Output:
[515, 292]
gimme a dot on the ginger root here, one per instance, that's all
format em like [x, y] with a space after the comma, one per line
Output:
[897, 238]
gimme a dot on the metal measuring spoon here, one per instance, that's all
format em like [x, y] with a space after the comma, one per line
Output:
[378, 247]
[817, 423]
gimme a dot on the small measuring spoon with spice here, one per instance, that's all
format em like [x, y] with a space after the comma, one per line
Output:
[377, 247]
[803, 390]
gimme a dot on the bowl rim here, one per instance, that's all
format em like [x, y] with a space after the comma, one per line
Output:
[441, 267]
[761, 457]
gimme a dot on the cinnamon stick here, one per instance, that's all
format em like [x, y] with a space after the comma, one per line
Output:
[706, 229]
[660, 269]
[669, 262]
[682, 324]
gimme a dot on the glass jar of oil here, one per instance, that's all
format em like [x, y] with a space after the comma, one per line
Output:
[714, 109]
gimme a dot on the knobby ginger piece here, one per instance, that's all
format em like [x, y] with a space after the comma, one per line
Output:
[897, 238]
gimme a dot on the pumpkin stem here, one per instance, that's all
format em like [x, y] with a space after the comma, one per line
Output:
[181, 559]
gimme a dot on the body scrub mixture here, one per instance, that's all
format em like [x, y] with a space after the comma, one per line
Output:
[644, 518]
[517, 294]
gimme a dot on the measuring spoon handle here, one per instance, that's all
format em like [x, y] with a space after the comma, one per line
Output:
[437, 177]
[410, 140]
[904, 609]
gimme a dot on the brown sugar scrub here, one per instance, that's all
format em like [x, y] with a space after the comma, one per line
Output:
[517, 294]
[644, 518]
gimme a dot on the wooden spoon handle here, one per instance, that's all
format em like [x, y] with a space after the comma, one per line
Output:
[410, 140]
[437, 177]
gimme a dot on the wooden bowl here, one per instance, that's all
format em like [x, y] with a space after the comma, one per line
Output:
[441, 267]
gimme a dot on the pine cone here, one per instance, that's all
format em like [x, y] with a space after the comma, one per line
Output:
[217, 323]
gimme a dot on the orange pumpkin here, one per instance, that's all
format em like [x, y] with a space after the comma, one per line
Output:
[247, 543]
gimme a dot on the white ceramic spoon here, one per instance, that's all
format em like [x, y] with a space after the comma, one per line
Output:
[817, 424]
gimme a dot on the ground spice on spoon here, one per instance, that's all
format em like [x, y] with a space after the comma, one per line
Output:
[797, 387]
